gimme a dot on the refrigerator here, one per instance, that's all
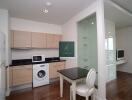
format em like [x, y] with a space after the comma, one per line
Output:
[2, 67]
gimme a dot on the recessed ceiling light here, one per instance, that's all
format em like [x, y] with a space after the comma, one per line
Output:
[109, 32]
[92, 23]
[48, 3]
[45, 10]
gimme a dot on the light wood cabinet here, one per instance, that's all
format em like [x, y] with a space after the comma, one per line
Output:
[59, 66]
[10, 76]
[54, 67]
[38, 40]
[21, 75]
[57, 39]
[12, 39]
[21, 39]
[53, 40]
[50, 40]
[52, 70]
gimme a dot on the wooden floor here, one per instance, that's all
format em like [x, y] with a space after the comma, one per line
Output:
[120, 89]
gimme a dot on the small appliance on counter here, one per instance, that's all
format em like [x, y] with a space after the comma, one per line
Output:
[52, 59]
[38, 58]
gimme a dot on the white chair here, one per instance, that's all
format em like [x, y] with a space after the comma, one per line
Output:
[87, 88]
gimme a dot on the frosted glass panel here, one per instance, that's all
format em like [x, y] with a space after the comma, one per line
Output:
[87, 43]
[110, 49]
[110, 43]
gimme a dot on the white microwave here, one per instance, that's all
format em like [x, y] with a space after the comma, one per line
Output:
[38, 58]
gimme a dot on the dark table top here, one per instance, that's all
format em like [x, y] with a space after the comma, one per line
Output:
[74, 73]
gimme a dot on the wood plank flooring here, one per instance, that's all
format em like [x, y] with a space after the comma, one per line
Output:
[119, 89]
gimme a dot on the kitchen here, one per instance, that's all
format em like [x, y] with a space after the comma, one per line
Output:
[42, 43]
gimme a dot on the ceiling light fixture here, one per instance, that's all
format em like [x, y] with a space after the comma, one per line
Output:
[45, 10]
[48, 3]
[92, 23]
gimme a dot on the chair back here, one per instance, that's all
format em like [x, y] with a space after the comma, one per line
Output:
[91, 77]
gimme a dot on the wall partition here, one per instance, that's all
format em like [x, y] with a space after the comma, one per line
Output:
[87, 42]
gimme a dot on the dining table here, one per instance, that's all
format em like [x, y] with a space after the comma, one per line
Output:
[72, 75]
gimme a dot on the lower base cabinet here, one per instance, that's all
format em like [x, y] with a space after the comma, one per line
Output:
[20, 75]
[54, 67]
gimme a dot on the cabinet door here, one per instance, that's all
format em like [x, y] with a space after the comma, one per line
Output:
[44, 40]
[54, 67]
[22, 75]
[50, 40]
[59, 66]
[53, 40]
[12, 38]
[52, 70]
[38, 40]
[22, 39]
[57, 39]
[10, 76]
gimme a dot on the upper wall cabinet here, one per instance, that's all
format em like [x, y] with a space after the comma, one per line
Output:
[50, 41]
[53, 40]
[38, 40]
[21, 39]
[12, 39]
[57, 39]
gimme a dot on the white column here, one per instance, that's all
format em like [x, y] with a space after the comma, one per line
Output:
[101, 51]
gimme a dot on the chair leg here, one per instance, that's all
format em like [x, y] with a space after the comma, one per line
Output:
[93, 97]
[70, 93]
[87, 97]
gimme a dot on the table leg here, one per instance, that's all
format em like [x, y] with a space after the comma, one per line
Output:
[61, 86]
[74, 90]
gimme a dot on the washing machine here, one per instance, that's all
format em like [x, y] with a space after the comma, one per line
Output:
[40, 74]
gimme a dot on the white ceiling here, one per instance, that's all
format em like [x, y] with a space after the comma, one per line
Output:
[60, 11]
[126, 4]
[121, 17]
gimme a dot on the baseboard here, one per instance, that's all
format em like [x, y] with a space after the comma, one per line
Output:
[101, 99]
[124, 72]
[8, 92]
[97, 97]
[20, 87]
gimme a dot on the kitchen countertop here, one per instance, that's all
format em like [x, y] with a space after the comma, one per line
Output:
[29, 62]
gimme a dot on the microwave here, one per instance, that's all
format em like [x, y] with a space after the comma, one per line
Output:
[38, 58]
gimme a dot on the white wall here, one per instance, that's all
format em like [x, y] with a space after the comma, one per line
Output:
[33, 26]
[4, 29]
[123, 40]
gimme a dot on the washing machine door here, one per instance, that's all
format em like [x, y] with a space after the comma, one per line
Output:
[40, 75]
